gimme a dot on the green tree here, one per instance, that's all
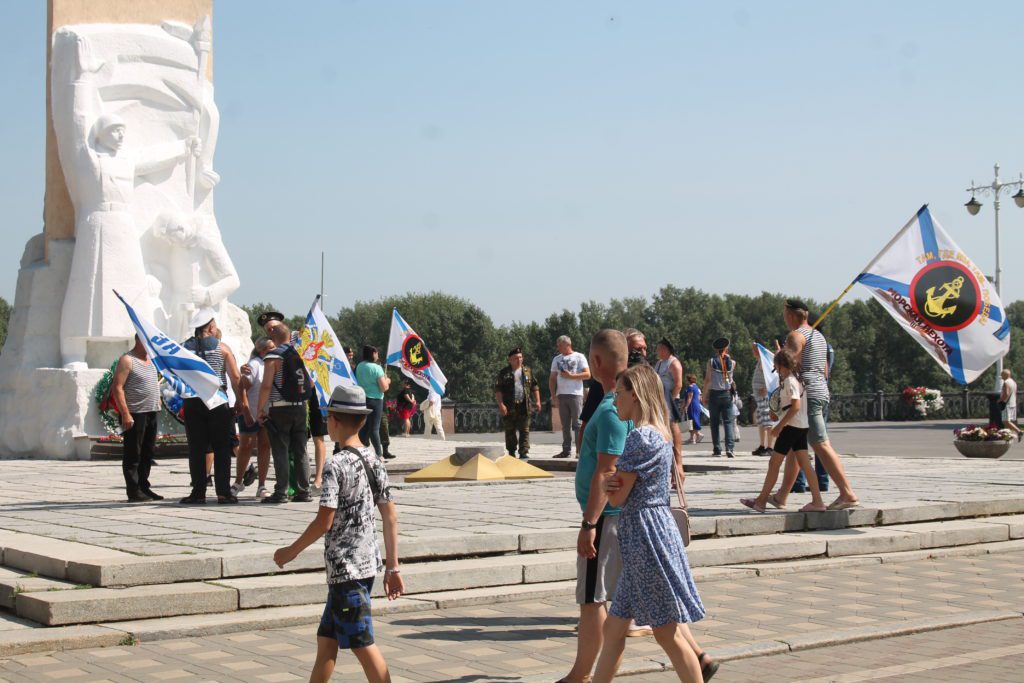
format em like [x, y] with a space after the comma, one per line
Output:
[5, 316]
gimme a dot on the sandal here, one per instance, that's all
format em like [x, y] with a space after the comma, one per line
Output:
[707, 671]
[840, 504]
[774, 502]
[586, 679]
[752, 504]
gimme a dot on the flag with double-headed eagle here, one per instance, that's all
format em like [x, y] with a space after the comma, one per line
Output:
[937, 294]
[408, 352]
[323, 355]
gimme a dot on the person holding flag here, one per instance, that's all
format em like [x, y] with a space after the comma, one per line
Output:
[409, 353]
[809, 346]
[196, 380]
[765, 380]
[212, 428]
[328, 368]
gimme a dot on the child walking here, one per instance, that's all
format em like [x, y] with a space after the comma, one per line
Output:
[655, 586]
[790, 436]
[354, 479]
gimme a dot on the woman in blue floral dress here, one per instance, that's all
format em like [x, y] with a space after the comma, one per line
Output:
[656, 587]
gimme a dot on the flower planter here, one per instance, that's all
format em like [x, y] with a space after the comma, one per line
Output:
[982, 449]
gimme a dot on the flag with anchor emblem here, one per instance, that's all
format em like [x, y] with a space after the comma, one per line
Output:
[937, 294]
[408, 352]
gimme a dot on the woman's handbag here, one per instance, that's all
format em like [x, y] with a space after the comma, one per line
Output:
[680, 513]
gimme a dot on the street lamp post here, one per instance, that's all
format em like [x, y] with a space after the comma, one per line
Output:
[974, 206]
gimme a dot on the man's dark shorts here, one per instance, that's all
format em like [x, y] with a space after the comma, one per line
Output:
[346, 616]
[243, 428]
[317, 421]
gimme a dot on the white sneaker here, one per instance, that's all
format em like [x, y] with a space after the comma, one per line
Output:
[237, 488]
[262, 492]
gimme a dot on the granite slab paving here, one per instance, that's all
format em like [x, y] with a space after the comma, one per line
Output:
[533, 640]
[82, 502]
[990, 652]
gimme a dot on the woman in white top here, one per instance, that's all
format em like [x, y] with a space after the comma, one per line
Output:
[251, 434]
[790, 436]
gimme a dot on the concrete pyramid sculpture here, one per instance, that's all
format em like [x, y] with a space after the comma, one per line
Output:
[478, 464]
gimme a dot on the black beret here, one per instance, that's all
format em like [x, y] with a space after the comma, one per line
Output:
[796, 305]
[515, 351]
[268, 316]
[720, 343]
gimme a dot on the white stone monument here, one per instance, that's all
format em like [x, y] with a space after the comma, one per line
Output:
[135, 127]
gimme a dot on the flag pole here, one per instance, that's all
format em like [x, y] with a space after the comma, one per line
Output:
[321, 276]
[833, 305]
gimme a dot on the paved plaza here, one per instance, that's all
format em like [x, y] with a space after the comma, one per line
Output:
[84, 501]
[764, 597]
[801, 606]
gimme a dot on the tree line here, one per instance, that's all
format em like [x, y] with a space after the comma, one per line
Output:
[872, 352]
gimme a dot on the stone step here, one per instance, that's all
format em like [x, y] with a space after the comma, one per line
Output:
[14, 583]
[425, 577]
[92, 605]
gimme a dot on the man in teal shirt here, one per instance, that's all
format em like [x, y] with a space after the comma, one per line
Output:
[599, 563]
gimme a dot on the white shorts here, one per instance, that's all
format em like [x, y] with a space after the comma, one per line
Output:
[1010, 412]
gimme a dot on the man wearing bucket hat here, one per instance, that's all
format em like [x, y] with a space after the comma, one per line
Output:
[206, 428]
[720, 387]
[354, 481]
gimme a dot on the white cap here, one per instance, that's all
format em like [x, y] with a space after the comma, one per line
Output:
[201, 317]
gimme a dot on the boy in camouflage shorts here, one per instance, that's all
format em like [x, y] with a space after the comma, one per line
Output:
[354, 480]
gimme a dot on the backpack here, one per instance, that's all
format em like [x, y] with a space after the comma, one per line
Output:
[295, 384]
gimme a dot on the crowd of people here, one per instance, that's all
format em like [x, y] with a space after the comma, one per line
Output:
[272, 410]
[621, 415]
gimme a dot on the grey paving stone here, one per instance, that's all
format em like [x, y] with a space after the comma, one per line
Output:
[138, 571]
[93, 605]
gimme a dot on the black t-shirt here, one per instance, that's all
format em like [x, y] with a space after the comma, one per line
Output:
[595, 393]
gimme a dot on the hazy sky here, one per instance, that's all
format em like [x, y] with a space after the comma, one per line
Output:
[532, 155]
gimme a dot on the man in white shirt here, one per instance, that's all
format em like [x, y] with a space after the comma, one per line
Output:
[1008, 402]
[569, 369]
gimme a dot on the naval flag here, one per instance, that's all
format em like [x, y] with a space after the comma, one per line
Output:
[188, 374]
[408, 351]
[323, 355]
[937, 294]
[771, 377]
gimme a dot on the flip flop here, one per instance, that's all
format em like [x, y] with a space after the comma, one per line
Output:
[840, 504]
[752, 504]
[774, 502]
[707, 671]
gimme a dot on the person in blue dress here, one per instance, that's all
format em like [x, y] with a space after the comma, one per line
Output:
[656, 586]
[692, 411]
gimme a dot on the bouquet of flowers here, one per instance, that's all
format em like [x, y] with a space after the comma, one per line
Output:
[978, 433]
[923, 400]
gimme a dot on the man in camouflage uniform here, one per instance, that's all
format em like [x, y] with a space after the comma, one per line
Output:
[517, 394]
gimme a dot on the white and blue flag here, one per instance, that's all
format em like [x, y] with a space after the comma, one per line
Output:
[771, 377]
[323, 355]
[937, 294]
[188, 374]
[408, 352]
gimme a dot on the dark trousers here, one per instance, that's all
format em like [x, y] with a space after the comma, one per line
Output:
[720, 407]
[287, 432]
[208, 430]
[517, 428]
[137, 452]
[370, 433]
